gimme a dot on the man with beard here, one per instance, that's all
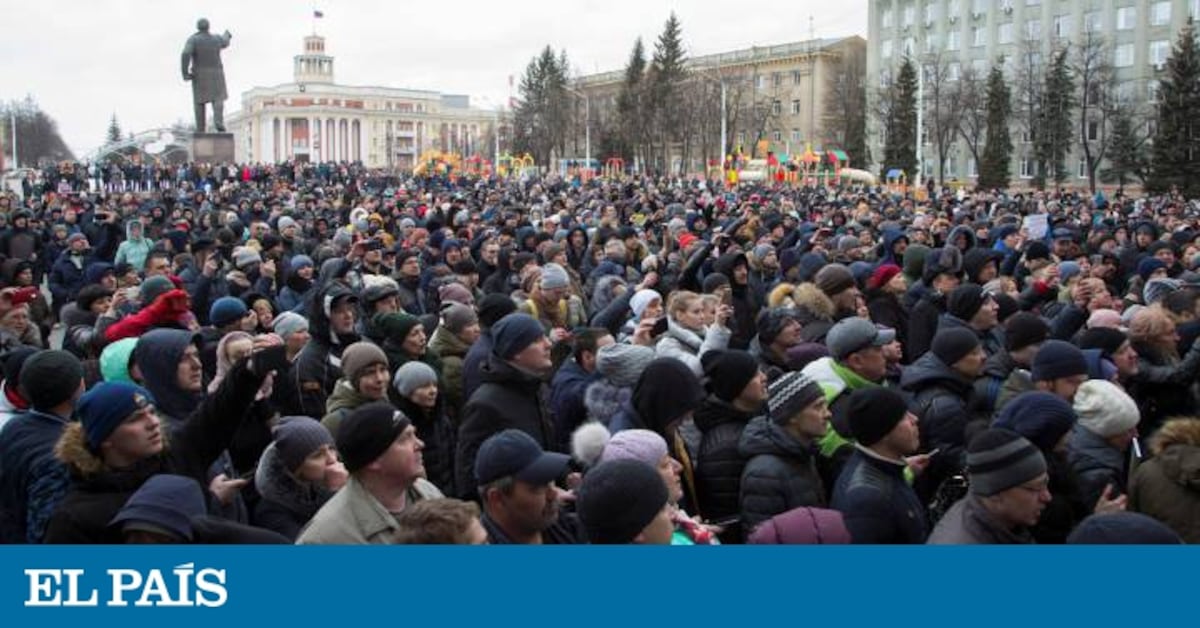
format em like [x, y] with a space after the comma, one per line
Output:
[516, 485]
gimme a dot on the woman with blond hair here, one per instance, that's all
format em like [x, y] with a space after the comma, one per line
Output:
[687, 339]
[1164, 383]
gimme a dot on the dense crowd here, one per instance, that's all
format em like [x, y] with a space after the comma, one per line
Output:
[331, 354]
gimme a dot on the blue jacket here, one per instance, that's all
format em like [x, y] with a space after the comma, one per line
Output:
[473, 360]
[566, 400]
[878, 505]
[32, 480]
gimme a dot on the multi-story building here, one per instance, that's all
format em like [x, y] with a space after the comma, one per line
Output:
[313, 118]
[970, 35]
[775, 93]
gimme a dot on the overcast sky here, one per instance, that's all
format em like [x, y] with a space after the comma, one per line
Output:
[83, 61]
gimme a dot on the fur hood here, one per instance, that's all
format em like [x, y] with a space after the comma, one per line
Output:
[1176, 432]
[275, 483]
[781, 296]
[812, 303]
[73, 451]
[603, 400]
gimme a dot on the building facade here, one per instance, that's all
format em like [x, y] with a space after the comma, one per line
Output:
[1135, 36]
[775, 93]
[313, 118]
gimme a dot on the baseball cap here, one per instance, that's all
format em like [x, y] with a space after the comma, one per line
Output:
[513, 453]
[854, 334]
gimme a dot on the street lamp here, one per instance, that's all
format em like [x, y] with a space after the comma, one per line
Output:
[724, 116]
[495, 131]
[587, 125]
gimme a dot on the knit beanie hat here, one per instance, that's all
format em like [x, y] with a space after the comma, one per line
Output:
[965, 301]
[998, 460]
[790, 394]
[300, 261]
[289, 323]
[367, 432]
[284, 222]
[457, 317]
[952, 345]
[623, 364]
[1157, 289]
[714, 282]
[13, 362]
[772, 321]
[154, 287]
[554, 276]
[1006, 306]
[882, 275]
[360, 356]
[245, 256]
[1037, 250]
[1148, 265]
[1041, 417]
[395, 326]
[834, 279]
[297, 437]
[641, 300]
[1104, 318]
[165, 504]
[728, 372]
[226, 311]
[618, 499]
[1025, 329]
[1104, 409]
[494, 307]
[514, 333]
[50, 378]
[1106, 339]
[455, 293]
[413, 375]
[1057, 359]
[1123, 528]
[103, 408]
[642, 445]
[874, 412]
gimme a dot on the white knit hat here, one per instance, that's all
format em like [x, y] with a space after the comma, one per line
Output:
[1104, 409]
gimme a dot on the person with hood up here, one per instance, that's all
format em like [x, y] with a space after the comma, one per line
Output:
[458, 329]
[297, 285]
[136, 247]
[686, 338]
[419, 398]
[1167, 486]
[780, 452]
[744, 301]
[941, 276]
[317, 369]
[969, 307]
[404, 340]
[884, 290]
[297, 473]
[1024, 334]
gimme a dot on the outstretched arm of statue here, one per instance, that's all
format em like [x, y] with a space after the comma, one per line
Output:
[225, 37]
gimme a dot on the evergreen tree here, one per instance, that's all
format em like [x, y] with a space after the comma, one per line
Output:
[1056, 131]
[900, 150]
[114, 130]
[631, 120]
[997, 151]
[667, 74]
[1126, 161]
[541, 115]
[1175, 157]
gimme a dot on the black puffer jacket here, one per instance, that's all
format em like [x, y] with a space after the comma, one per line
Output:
[318, 367]
[506, 398]
[780, 473]
[942, 400]
[923, 324]
[434, 429]
[719, 469]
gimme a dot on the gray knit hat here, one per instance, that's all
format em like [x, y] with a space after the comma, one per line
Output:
[623, 364]
[998, 460]
[297, 437]
[413, 375]
[289, 323]
[457, 317]
[790, 394]
[554, 276]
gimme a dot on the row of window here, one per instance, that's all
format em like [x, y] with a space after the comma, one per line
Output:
[1160, 13]
[775, 79]
[1123, 54]
[776, 136]
[1026, 168]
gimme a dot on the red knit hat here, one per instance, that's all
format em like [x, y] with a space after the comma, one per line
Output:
[882, 276]
[686, 240]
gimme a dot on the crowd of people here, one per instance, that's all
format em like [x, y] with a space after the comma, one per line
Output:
[333, 354]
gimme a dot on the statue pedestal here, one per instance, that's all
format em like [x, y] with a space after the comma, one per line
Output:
[212, 148]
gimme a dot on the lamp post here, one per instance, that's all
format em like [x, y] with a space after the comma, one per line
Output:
[724, 118]
[587, 125]
[16, 160]
[495, 131]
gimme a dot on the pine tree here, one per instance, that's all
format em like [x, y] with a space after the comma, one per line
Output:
[900, 149]
[1126, 160]
[541, 115]
[997, 151]
[667, 73]
[1175, 157]
[1056, 131]
[631, 104]
[114, 130]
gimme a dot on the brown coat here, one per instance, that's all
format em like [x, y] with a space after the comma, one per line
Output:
[1167, 486]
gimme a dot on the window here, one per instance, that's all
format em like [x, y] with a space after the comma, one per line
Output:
[931, 43]
[1032, 3]
[776, 79]
[1062, 26]
[979, 67]
[795, 135]
[795, 107]
[952, 40]
[972, 168]
[910, 15]
[887, 18]
[1160, 14]
[760, 81]
[978, 36]
[1124, 56]
[776, 107]
[741, 137]
[930, 13]
[777, 136]
[1093, 131]
[796, 77]
[1126, 18]
[885, 49]
[910, 46]
[953, 71]
[1151, 128]
[1159, 51]
[1153, 91]
[979, 7]
[1194, 8]
[1033, 30]
[1026, 136]
[1082, 168]
[1028, 167]
[951, 168]
[955, 9]
[1091, 22]
[1004, 33]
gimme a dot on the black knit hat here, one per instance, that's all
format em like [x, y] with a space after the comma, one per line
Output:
[1025, 329]
[954, 344]
[618, 499]
[998, 460]
[965, 301]
[834, 279]
[874, 412]
[1106, 339]
[1057, 359]
[728, 372]
[772, 321]
[494, 307]
[367, 432]
[50, 378]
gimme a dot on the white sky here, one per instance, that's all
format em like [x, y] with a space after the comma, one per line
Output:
[84, 60]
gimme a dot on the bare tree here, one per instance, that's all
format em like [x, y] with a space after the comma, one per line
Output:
[941, 106]
[1091, 63]
[845, 112]
[971, 98]
[1028, 88]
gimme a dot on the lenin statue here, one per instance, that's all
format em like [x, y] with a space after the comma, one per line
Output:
[201, 64]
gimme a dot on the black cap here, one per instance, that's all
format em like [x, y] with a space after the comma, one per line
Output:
[513, 453]
[368, 432]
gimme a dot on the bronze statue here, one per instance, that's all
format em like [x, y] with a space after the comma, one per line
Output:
[202, 66]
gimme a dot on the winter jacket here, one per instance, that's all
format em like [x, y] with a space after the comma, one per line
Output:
[98, 492]
[745, 304]
[507, 398]
[1163, 385]
[434, 429]
[720, 464]
[567, 392]
[942, 400]
[472, 364]
[996, 372]
[687, 346]
[319, 365]
[780, 473]
[992, 340]
[354, 517]
[885, 309]
[342, 401]
[877, 503]
[32, 480]
[131, 251]
[969, 523]
[1096, 464]
[285, 503]
[1167, 486]
[453, 352]
[923, 324]
[837, 382]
